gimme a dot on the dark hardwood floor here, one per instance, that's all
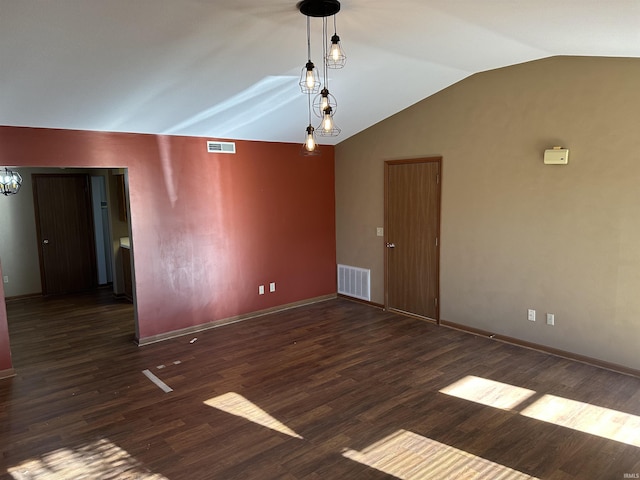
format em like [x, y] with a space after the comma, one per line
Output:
[335, 390]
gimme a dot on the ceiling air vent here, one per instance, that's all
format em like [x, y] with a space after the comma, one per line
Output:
[221, 147]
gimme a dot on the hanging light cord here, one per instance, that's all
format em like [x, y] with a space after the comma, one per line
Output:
[324, 53]
[309, 54]
[308, 39]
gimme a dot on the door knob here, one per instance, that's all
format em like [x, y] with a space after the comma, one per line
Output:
[45, 241]
[391, 245]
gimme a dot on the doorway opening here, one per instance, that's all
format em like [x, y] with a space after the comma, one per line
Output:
[99, 198]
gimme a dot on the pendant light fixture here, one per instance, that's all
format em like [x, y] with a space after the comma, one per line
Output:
[328, 104]
[309, 81]
[310, 146]
[323, 100]
[324, 104]
[336, 57]
[10, 182]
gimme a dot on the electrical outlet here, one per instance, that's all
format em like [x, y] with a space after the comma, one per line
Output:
[551, 319]
[531, 315]
[261, 290]
[272, 287]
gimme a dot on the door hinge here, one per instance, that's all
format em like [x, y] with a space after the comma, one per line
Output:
[435, 301]
[436, 241]
[437, 178]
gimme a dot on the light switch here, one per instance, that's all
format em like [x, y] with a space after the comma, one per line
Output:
[272, 287]
[380, 232]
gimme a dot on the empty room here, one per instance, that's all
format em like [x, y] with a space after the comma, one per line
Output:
[319, 240]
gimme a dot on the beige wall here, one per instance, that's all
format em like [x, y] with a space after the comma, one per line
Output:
[18, 242]
[518, 234]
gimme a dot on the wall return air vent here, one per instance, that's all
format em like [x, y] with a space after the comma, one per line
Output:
[221, 147]
[354, 282]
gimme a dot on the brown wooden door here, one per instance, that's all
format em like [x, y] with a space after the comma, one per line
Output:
[412, 225]
[64, 224]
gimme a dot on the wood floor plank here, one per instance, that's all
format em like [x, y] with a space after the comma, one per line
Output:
[343, 376]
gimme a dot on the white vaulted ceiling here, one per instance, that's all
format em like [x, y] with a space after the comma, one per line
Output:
[230, 68]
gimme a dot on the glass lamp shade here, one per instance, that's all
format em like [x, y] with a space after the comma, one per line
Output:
[309, 79]
[336, 57]
[10, 182]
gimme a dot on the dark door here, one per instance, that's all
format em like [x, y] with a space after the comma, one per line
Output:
[64, 225]
[412, 218]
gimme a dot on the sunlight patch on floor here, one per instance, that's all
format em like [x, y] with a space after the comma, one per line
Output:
[237, 405]
[101, 459]
[408, 456]
[583, 417]
[602, 422]
[488, 392]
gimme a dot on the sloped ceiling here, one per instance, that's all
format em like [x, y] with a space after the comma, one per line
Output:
[230, 68]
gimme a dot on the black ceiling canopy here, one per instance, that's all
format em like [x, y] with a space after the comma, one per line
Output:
[319, 8]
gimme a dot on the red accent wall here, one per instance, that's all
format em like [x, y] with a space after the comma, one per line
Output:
[206, 229]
